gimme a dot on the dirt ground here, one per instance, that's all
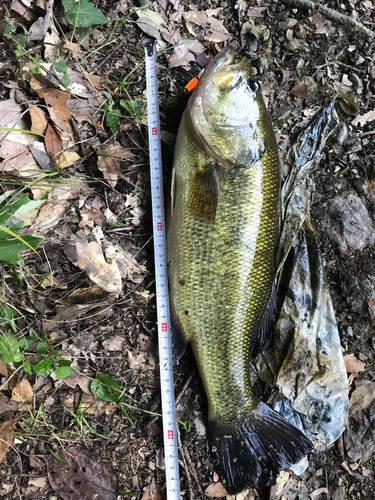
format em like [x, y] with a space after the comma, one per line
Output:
[302, 58]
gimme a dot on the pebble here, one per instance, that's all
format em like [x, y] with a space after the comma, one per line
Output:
[339, 493]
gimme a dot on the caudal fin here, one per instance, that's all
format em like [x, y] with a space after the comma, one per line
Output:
[261, 440]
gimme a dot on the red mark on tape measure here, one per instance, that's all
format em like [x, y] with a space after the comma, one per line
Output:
[159, 226]
[170, 434]
[154, 131]
[164, 327]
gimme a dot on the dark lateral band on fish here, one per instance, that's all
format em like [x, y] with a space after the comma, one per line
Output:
[223, 232]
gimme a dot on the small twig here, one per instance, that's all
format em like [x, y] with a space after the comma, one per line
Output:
[147, 330]
[185, 465]
[340, 447]
[192, 470]
[185, 386]
[108, 56]
[333, 15]
[78, 136]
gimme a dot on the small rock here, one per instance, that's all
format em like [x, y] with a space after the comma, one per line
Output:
[339, 493]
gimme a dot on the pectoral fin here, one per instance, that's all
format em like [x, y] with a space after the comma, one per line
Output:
[203, 194]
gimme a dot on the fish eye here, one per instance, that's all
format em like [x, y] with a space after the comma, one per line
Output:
[253, 85]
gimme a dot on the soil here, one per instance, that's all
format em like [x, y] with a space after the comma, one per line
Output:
[296, 46]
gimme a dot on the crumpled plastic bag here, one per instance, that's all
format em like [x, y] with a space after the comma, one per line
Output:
[304, 362]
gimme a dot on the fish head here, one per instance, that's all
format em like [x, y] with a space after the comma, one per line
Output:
[226, 114]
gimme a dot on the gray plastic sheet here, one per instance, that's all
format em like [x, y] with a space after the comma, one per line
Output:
[304, 362]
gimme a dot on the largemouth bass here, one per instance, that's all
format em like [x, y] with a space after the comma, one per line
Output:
[223, 232]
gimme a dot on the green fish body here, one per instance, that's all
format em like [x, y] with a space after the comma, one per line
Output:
[222, 239]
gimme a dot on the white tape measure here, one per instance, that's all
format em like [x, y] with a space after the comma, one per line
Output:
[161, 276]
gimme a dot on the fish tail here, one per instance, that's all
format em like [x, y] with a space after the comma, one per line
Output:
[262, 439]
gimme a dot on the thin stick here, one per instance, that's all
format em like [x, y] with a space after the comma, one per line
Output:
[333, 15]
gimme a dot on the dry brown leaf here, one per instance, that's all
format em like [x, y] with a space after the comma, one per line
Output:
[59, 112]
[72, 46]
[301, 90]
[17, 159]
[23, 392]
[278, 488]
[49, 216]
[52, 141]
[109, 157]
[90, 405]
[214, 29]
[6, 437]
[184, 53]
[362, 397]
[39, 120]
[26, 12]
[130, 269]
[95, 81]
[81, 112]
[3, 369]
[90, 258]
[91, 213]
[39, 482]
[363, 119]
[352, 364]
[86, 475]
[152, 492]
[67, 158]
[216, 490]
[114, 344]
[83, 382]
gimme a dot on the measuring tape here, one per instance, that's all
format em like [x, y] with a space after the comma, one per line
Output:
[161, 276]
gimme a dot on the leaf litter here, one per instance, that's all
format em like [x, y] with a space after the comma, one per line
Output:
[84, 477]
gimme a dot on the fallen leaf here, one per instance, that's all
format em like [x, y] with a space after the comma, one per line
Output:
[90, 405]
[114, 344]
[184, 53]
[214, 29]
[216, 490]
[352, 364]
[23, 392]
[39, 120]
[91, 213]
[150, 22]
[44, 161]
[80, 380]
[129, 268]
[3, 369]
[72, 46]
[362, 397]
[39, 28]
[81, 111]
[52, 140]
[59, 112]
[152, 492]
[316, 493]
[363, 119]
[6, 437]
[95, 81]
[278, 488]
[89, 257]
[109, 157]
[85, 477]
[48, 217]
[26, 12]
[39, 482]
[301, 90]
[67, 158]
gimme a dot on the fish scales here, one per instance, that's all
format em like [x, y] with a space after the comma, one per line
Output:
[222, 241]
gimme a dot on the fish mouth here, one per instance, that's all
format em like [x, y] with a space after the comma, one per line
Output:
[226, 74]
